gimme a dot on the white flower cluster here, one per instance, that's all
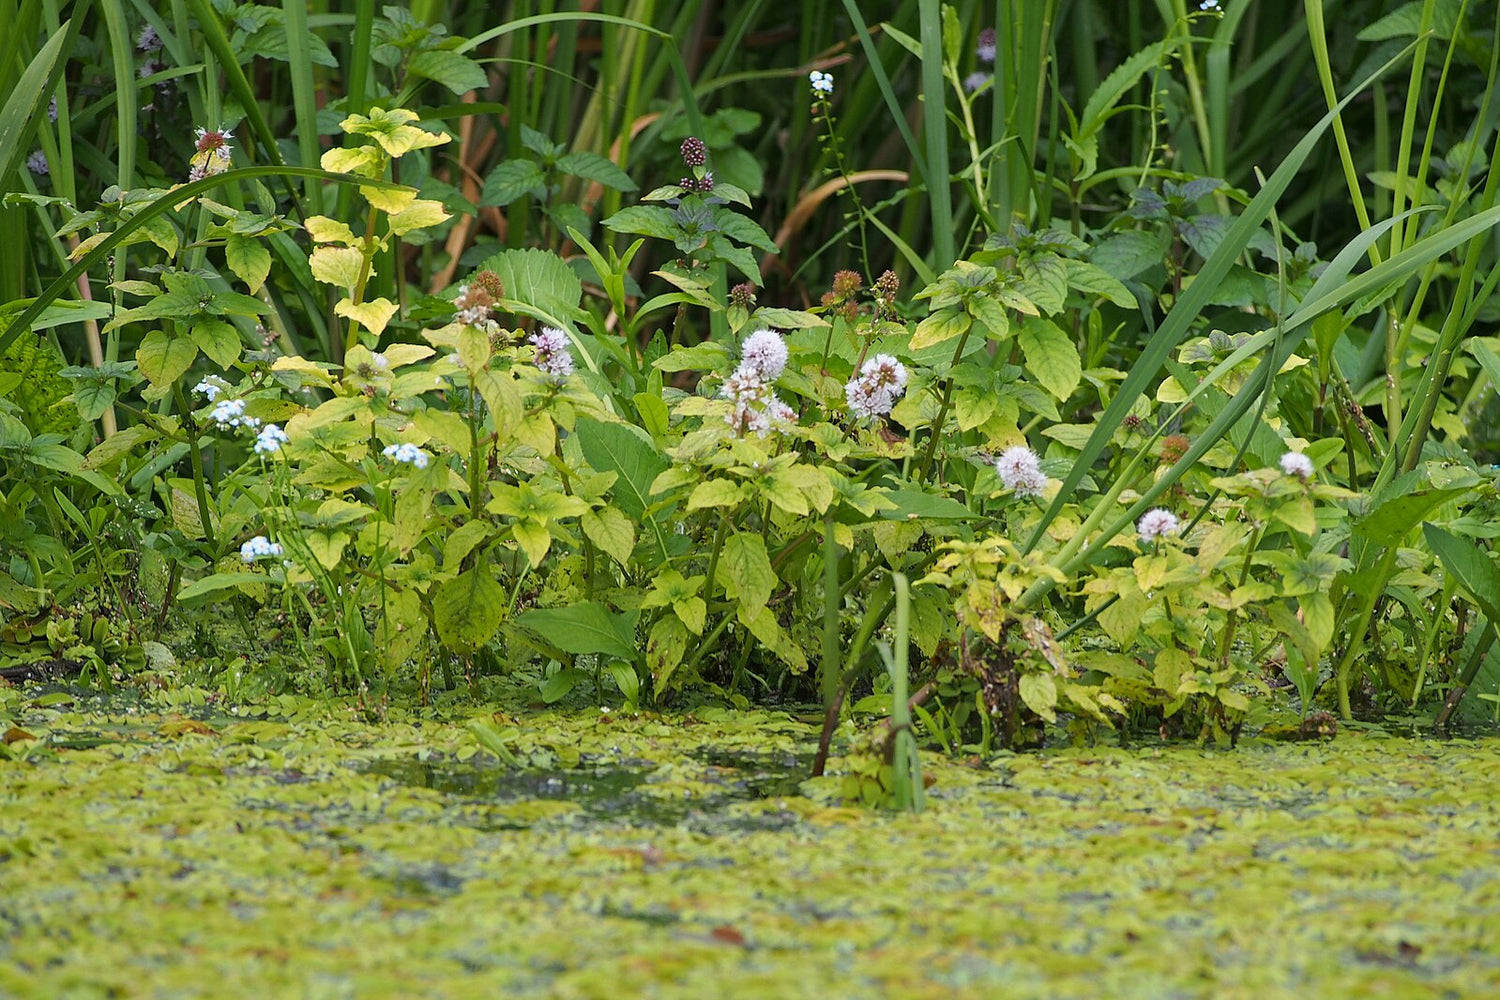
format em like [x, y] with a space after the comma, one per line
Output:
[1209, 5]
[229, 413]
[259, 547]
[213, 153]
[881, 381]
[36, 162]
[407, 454]
[1294, 463]
[1157, 522]
[270, 439]
[822, 83]
[1021, 471]
[751, 390]
[552, 354]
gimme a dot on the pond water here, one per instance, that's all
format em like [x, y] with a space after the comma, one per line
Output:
[288, 849]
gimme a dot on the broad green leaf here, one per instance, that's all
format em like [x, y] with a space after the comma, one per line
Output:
[453, 70]
[612, 531]
[745, 570]
[199, 589]
[469, 608]
[940, 326]
[624, 450]
[592, 166]
[645, 220]
[1472, 567]
[249, 259]
[163, 359]
[1039, 692]
[512, 179]
[585, 627]
[534, 539]
[219, 340]
[1051, 356]
[665, 648]
[917, 505]
[540, 279]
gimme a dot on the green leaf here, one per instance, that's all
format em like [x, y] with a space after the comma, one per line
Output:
[163, 359]
[664, 651]
[199, 589]
[337, 266]
[1473, 568]
[219, 340]
[612, 531]
[1051, 356]
[707, 356]
[716, 493]
[510, 180]
[1390, 519]
[624, 450]
[593, 167]
[744, 570]
[457, 72]
[469, 608]
[940, 326]
[1039, 692]
[249, 259]
[540, 279]
[645, 220]
[585, 627]
[916, 505]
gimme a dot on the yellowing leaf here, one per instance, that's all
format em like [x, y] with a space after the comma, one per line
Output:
[944, 324]
[372, 315]
[420, 214]
[362, 161]
[325, 230]
[339, 266]
[611, 530]
[534, 540]
[387, 200]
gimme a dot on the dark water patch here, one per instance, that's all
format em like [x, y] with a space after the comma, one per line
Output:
[699, 793]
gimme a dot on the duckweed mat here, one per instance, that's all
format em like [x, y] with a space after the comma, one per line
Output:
[290, 851]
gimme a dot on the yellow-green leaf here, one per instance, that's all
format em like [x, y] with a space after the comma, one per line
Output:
[325, 230]
[420, 214]
[372, 315]
[944, 324]
[219, 340]
[1051, 356]
[534, 540]
[611, 530]
[248, 258]
[162, 358]
[338, 266]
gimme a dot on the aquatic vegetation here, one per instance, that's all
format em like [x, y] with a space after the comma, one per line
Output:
[290, 848]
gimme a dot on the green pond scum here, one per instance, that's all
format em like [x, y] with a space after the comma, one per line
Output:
[288, 849]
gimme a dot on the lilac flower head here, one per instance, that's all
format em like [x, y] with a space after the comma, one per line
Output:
[259, 547]
[1021, 471]
[763, 355]
[148, 40]
[986, 47]
[552, 354]
[1156, 522]
[1294, 463]
[881, 381]
[36, 162]
[754, 405]
[976, 79]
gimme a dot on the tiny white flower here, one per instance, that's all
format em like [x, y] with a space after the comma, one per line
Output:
[228, 413]
[1294, 463]
[270, 439]
[975, 80]
[379, 360]
[1157, 522]
[407, 454]
[1021, 471]
[36, 162]
[211, 387]
[259, 547]
[764, 355]
[1209, 5]
[822, 83]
